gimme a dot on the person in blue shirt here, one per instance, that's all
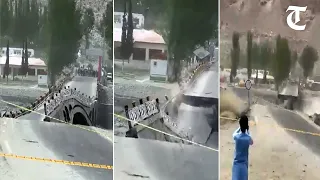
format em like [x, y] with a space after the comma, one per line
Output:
[242, 140]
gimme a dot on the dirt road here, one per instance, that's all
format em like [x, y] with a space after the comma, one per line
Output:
[275, 154]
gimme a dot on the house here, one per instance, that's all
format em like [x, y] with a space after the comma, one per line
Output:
[36, 65]
[147, 44]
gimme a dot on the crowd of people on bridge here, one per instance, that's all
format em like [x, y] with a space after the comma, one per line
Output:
[87, 72]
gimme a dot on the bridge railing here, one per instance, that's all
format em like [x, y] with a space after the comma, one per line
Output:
[63, 77]
[171, 121]
[65, 94]
[192, 73]
[139, 113]
[147, 113]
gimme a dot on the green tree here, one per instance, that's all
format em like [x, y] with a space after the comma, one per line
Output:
[153, 11]
[308, 57]
[129, 40]
[294, 58]
[256, 59]
[42, 38]
[189, 27]
[127, 33]
[249, 53]
[21, 20]
[7, 65]
[282, 61]
[22, 67]
[266, 55]
[11, 18]
[243, 59]
[26, 20]
[156, 14]
[235, 55]
[26, 59]
[34, 21]
[106, 28]
[5, 17]
[64, 35]
[87, 24]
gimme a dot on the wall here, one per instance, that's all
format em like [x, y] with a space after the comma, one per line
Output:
[138, 64]
[150, 45]
[144, 45]
[16, 68]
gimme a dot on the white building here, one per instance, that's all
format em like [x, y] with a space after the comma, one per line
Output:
[36, 65]
[147, 43]
[15, 52]
[138, 20]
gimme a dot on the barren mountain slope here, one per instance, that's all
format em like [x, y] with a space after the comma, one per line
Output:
[267, 18]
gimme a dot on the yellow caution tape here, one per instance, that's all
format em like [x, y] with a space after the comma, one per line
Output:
[48, 160]
[81, 127]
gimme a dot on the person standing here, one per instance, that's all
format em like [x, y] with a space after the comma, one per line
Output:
[243, 141]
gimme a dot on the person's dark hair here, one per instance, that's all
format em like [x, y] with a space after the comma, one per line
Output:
[244, 123]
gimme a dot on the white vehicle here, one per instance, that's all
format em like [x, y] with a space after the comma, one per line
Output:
[314, 83]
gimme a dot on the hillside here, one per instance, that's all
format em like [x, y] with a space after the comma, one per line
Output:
[267, 18]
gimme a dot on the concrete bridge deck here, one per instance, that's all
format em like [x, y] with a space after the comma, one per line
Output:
[158, 160]
[31, 136]
[56, 141]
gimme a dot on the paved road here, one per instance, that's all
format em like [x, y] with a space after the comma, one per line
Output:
[311, 105]
[87, 85]
[57, 141]
[197, 111]
[158, 160]
[52, 140]
[267, 95]
[291, 120]
[196, 115]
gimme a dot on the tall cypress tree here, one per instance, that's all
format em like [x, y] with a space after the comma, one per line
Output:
[7, 65]
[235, 55]
[26, 57]
[127, 32]
[130, 32]
[64, 35]
[22, 61]
[42, 38]
[87, 25]
[124, 32]
[106, 28]
[4, 17]
[27, 20]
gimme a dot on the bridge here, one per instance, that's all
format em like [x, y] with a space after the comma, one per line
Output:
[68, 126]
[153, 153]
